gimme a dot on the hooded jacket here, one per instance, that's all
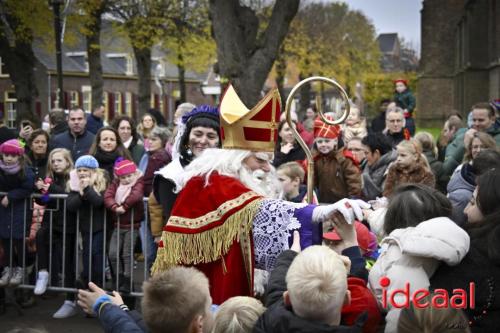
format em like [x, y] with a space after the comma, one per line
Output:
[460, 189]
[454, 153]
[374, 175]
[412, 255]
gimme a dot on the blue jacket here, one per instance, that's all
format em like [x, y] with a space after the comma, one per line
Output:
[94, 123]
[78, 146]
[17, 215]
[115, 320]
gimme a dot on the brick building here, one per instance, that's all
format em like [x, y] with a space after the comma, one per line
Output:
[460, 57]
[119, 76]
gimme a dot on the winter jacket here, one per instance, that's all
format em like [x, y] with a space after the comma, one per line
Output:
[279, 318]
[336, 177]
[308, 137]
[454, 153]
[155, 161]
[94, 123]
[136, 150]
[357, 131]
[16, 217]
[396, 138]
[374, 175]
[460, 189]
[494, 131]
[78, 146]
[115, 320]
[405, 101]
[418, 173]
[412, 255]
[56, 206]
[89, 206]
[39, 166]
[296, 154]
[6, 134]
[133, 204]
[480, 266]
[59, 128]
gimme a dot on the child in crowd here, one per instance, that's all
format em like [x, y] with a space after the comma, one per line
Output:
[86, 185]
[335, 174]
[405, 100]
[430, 151]
[124, 198]
[291, 175]
[410, 167]
[355, 125]
[16, 179]
[52, 248]
[238, 315]
[420, 236]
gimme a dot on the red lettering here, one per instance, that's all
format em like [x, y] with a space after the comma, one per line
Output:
[406, 294]
[472, 295]
[417, 298]
[459, 295]
[384, 298]
[440, 294]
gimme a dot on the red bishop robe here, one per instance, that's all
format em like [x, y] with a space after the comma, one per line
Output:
[210, 228]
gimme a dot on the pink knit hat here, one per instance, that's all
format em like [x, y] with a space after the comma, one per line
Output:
[124, 167]
[12, 147]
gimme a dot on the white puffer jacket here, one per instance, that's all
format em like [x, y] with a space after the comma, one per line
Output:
[412, 255]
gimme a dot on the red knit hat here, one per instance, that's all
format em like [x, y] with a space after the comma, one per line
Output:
[403, 81]
[125, 167]
[12, 147]
[323, 130]
[362, 234]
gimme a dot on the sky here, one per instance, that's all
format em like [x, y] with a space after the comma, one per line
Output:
[401, 16]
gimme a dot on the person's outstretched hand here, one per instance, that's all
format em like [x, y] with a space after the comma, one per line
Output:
[345, 230]
[351, 209]
[87, 298]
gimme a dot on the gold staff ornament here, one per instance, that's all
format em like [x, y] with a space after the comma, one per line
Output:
[288, 110]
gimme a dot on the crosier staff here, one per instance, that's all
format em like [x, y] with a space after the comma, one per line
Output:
[288, 110]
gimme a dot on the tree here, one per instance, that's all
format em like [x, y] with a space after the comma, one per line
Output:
[21, 22]
[187, 39]
[143, 21]
[329, 39]
[245, 55]
[89, 22]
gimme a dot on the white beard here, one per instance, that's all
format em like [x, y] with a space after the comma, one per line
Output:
[264, 183]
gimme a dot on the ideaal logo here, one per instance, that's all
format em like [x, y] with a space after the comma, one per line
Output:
[460, 298]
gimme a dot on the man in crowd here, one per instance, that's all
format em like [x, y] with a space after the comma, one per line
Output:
[57, 122]
[395, 126]
[483, 120]
[453, 135]
[95, 120]
[76, 138]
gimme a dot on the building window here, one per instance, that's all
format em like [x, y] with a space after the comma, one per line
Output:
[128, 103]
[74, 99]
[10, 108]
[87, 98]
[3, 69]
[123, 61]
[80, 58]
[118, 103]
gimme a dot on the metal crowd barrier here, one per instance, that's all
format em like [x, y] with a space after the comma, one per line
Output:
[30, 260]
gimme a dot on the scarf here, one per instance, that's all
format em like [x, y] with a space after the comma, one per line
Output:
[106, 158]
[10, 169]
[123, 191]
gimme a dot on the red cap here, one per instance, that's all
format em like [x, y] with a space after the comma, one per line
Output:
[323, 130]
[404, 81]
[362, 233]
[125, 167]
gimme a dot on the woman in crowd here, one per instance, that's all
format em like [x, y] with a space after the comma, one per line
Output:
[287, 148]
[126, 128]
[419, 236]
[410, 167]
[107, 147]
[481, 265]
[38, 154]
[63, 239]
[146, 125]
[430, 151]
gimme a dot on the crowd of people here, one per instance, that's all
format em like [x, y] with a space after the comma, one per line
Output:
[228, 235]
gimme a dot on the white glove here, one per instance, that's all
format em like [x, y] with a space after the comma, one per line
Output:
[351, 210]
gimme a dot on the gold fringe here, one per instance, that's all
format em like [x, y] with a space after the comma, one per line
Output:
[207, 246]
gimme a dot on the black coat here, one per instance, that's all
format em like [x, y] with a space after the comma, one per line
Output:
[296, 154]
[39, 166]
[278, 318]
[89, 206]
[78, 146]
[378, 123]
[481, 265]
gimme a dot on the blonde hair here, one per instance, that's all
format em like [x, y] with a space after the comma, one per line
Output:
[238, 315]
[293, 170]
[66, 155]
[317, 283]
[486, 139]
[427, 142]
[172, 299]
[414, 147]
[432, 319]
